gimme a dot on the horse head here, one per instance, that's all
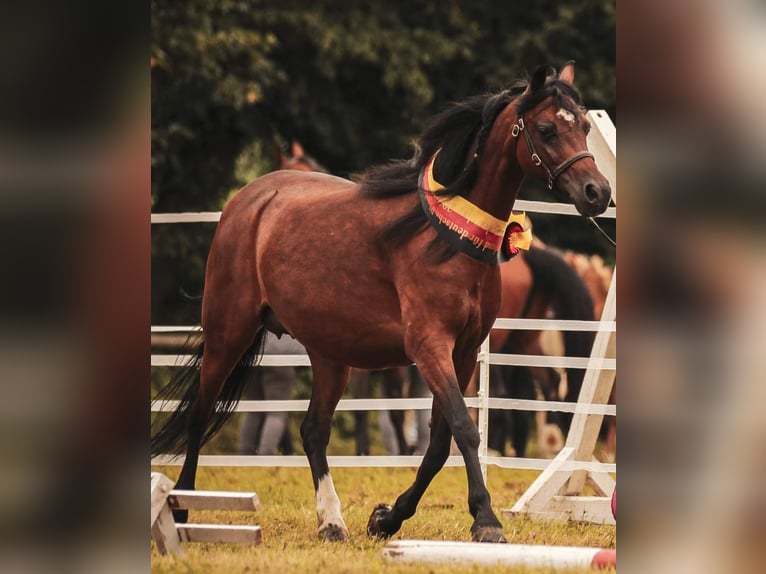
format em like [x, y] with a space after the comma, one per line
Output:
[554, 129]
[298, 159]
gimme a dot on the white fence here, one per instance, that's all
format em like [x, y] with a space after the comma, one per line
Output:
[417, 403]
[600, 136]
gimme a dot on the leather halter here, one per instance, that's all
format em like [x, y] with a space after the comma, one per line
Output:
[519, 127]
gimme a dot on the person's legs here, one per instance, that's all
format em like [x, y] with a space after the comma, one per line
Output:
[277, 385]
[250, 423]
[387, 432]
[419, 389]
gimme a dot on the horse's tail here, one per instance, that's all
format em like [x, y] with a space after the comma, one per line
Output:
[570, 300]
[169, 433]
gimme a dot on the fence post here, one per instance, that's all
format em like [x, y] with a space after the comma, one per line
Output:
[483, 395]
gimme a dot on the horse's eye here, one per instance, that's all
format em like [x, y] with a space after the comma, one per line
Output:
[586, 128]
[547, 131]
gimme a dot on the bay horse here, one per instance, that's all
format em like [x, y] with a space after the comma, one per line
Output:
[395, 268]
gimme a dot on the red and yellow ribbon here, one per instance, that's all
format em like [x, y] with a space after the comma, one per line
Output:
[483, 230]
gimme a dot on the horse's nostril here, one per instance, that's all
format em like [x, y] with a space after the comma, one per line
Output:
[591, 193]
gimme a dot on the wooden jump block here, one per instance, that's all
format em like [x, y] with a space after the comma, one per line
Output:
[168, 535]
[221, 533]
[529, 555]
[593, 509]
[213, 500]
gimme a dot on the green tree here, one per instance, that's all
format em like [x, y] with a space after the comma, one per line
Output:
[354, 82]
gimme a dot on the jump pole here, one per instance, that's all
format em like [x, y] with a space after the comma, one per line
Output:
[529, 555]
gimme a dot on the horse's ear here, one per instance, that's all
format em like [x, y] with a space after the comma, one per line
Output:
[276, 154]
[567, 72]
[539, 77]
[297, 150]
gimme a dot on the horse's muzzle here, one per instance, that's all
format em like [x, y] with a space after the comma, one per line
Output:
[594, 198]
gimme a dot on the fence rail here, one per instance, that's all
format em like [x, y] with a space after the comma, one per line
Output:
[481, 402]
[377, 461]
[551, 208]
[415, 404]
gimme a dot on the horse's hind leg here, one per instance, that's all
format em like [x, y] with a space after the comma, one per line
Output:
[330, 380]
[216, 366]
[228, 335]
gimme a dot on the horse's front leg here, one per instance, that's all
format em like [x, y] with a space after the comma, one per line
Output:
[450, 417]
[330, 380]
[387, 520]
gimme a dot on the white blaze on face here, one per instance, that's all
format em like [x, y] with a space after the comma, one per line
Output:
[328, 504]
[566, 115]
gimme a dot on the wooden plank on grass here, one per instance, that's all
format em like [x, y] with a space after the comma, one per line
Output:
[594, 509]
[220, 533]
[213, 500]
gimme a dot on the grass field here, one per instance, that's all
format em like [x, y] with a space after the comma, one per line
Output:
[288, 519]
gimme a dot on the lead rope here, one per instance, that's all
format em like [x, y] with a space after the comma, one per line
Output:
[597, 226]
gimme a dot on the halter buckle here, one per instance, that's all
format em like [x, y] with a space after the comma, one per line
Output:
[536, 159]
[517, 127]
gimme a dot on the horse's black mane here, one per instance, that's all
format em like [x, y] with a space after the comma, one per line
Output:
[454, 130]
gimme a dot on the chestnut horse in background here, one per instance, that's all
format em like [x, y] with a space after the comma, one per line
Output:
[298, 159]
[382, 273]
[561, 285]
[538, 284]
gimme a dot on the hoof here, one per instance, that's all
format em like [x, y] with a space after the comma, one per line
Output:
[492, 534]
[333, 533]
[379, 513]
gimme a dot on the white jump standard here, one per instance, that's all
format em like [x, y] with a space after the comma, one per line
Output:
[168, 535]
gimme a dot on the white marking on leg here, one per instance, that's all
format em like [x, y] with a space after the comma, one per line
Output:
[328, 504]
[566, 115]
